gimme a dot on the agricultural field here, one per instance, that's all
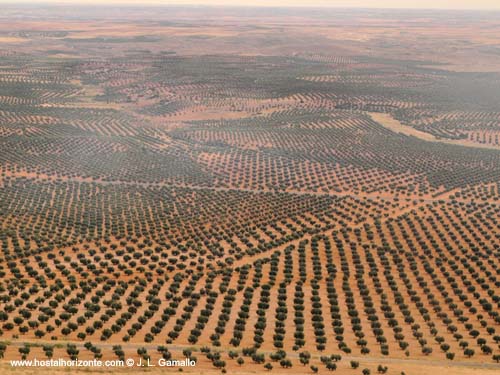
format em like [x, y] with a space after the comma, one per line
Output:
[290, 191]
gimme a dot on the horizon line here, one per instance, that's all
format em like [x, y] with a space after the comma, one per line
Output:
[152, 4]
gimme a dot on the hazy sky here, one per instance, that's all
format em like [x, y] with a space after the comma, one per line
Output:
[441, 4]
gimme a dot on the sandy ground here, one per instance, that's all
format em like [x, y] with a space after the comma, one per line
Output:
[389, 122]
[12, 39]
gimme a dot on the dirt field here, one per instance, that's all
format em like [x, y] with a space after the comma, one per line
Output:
[283, 192]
